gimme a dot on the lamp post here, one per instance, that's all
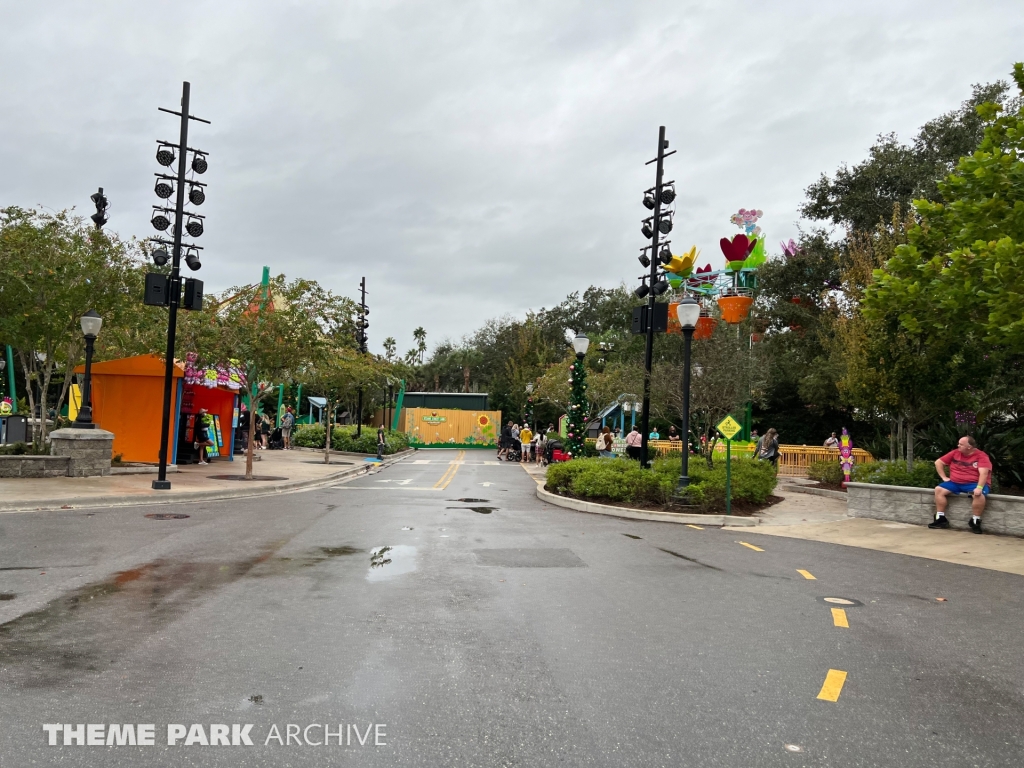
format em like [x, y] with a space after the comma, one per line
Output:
[688, 312]
[577, 421]
[91, 325]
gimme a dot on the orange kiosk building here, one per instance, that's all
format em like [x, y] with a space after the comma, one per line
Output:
[127, 399]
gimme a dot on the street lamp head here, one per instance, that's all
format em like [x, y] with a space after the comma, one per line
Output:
[581, 344]
[91, 324]
[688, 312]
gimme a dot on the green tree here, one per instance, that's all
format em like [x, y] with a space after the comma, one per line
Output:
[577, 415]
[55, 268]
[273, 334]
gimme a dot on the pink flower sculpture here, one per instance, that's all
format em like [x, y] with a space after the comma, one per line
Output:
[737, 250]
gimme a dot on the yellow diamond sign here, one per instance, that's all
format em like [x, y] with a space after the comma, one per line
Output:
[729, 427]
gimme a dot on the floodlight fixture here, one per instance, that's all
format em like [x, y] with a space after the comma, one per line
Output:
[665, 223]
[160, 257]
[196, 195]
[163, 189]
[194, 227]
[192, 260]
[165, 154]
[649, 201]
[666, 255]
[645, 260]
[668, 193]
[643, 290]
[199, 164]
[159, 221]
[660, 287]
[647, 230]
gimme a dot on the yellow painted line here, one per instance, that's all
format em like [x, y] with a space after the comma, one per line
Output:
[839, 618]
[697, 527]
[450, 473]
[833, 685]
[806, 574]
[751, 546]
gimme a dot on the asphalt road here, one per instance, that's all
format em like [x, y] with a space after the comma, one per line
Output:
[496, 632]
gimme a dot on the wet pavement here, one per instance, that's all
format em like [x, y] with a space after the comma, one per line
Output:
[481, 627]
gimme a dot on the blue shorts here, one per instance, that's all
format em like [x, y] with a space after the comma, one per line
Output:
[958, 488]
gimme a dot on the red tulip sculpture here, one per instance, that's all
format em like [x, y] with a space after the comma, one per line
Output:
[737, 250]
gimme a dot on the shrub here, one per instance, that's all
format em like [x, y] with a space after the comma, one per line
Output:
[624, 480]
[895, 473]
[24, 449]
[830, 472]
[344, 439]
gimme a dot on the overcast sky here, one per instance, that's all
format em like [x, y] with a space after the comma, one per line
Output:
[471, 159]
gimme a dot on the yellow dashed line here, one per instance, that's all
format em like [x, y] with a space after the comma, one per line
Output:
[839, 618]
[750, 546]
[697, 527]
[806, 574]
[833, 685]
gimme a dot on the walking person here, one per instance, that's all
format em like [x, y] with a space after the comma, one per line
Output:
[969, 472]
[604, 443]
[525, 436]
[287, 422]
[505, 441]
[202, 441]
[634, 443]
[381, 442]
[768, 447]
[542, 448]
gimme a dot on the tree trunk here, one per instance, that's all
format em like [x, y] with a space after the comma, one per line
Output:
[252, 434]
[910, 446]
[893, 440]
[900, 453]
[437, 383]
[28, 368]
[465, 379]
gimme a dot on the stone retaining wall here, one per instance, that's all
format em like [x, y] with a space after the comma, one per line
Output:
[1003, 514]
[88, 450]
[33, 466]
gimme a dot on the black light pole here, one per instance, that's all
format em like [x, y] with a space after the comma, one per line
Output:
[361, 337]
[174, 283]
[655, 224]
[100, 201]
[688, 313]
[91, 324]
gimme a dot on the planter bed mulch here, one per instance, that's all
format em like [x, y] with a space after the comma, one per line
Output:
[740, 508]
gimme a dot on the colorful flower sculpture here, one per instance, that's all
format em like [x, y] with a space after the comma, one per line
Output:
[790, 249]
[737, 250]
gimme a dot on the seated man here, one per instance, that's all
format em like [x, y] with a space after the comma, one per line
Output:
[969, 471]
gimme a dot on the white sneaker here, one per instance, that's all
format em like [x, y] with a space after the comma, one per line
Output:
[203, 463]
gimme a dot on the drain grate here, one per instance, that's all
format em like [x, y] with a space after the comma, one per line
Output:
[165, 516]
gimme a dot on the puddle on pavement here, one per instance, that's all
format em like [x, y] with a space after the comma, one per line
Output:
[478, 510]
[89, 628]
[469, 501]
[166, 516]
[7, 596]
[390, 561]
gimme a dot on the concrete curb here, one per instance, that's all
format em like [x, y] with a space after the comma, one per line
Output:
[815, 491]
[89, 502]
[642, 514]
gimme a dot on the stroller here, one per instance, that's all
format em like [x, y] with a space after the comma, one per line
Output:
[554, 451]
[276, 441]
[515, 451]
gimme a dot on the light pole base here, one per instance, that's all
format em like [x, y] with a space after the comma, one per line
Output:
[161, 485]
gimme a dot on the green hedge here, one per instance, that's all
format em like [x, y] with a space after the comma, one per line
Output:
[624, 480]
[23, 449]
[895, 473]
[830, 472]
[344, 439]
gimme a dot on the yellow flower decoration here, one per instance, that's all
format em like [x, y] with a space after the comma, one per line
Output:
[483, 420]
[681, 265]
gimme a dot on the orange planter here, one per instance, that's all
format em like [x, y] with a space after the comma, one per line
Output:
[705, 328]
[735, 308]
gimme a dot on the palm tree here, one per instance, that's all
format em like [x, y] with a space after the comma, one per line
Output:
[389, 348]
[421, 342]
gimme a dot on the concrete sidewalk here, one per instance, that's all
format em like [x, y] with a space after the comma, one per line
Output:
[820, 518]
[286, 471]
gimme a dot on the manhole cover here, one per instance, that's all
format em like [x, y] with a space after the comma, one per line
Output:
[529, 558]
[846, 602]
[165, 516]
[470, 501]
[242, 477]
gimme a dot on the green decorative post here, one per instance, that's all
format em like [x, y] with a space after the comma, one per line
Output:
[10, 379]
[576, 418]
